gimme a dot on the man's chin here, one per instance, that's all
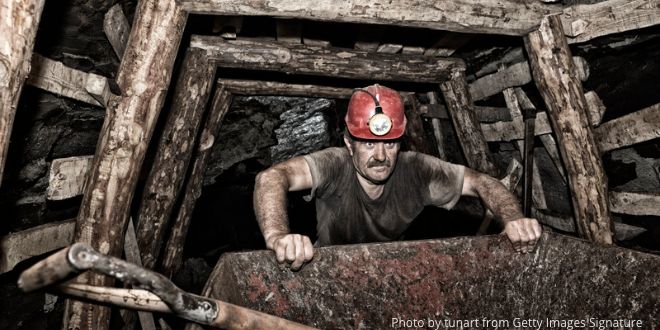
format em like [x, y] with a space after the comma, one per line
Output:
[379, 178]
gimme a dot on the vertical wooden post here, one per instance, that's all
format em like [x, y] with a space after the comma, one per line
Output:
[19, 20]
[143, 77]
[174, 249]
[555, 76]
[437, 129]
[175, 148]
[415, 128]
[460, 108]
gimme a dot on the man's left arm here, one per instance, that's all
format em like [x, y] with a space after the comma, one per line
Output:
[523, 232]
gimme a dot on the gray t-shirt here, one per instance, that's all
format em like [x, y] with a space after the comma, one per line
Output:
[346, 214]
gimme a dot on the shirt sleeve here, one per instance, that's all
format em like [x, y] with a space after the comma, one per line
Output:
[445, 180]
[325, 166]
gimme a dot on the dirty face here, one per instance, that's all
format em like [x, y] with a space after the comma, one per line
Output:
[374, 160]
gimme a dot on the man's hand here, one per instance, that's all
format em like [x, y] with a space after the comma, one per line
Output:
[293, 248]
[523, 234]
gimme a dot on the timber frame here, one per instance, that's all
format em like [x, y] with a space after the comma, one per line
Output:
[144, 78]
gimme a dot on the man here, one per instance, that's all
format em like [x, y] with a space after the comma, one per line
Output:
[369, 191]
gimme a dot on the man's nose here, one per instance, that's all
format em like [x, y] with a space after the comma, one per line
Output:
[379, 152]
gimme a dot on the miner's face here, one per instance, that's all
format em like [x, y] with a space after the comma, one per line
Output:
[374, 160]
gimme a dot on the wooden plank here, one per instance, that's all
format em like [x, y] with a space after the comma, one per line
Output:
[412, 50]
[389, 48]
[550, 60]
[22, 245]
[484, 114]
[585, 22]
[322, 61]
[508, 131]
[143, 77]
[635, 203]
[19, 20]
[550, 146]
[517, 74]
[639, 126]
[471, 138]
[368, 37]
[67, 177]
[481, 16]
[253, 87]
[175, 148]
[117, 29]
[57, 78]
[595, 106]
[174, 248]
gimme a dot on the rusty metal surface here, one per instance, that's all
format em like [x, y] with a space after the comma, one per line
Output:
[367, 286]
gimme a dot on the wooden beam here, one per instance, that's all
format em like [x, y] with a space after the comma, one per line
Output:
[412, 50]
[22, 245]
[482, 16]
[143, 78]
[175, 148]
[389, 48]
[117, 29]
[639, 126]
[258, 87]
[471, 138]
[174, 248]
[585, 22]
[517, 74]
[484, 114]
[57, 78]
[635, 203]
[67, 177]
[19, 20]
[554, 74]
[322, 61]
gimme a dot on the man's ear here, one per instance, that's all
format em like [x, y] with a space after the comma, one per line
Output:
[349, 146]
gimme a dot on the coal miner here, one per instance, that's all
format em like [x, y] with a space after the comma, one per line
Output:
[369, 191]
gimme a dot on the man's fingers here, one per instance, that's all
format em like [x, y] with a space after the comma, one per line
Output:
[309, 250]
[280, 250]
[290, 249]
[299, 251]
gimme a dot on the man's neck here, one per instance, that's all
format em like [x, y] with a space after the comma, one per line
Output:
[373, 190]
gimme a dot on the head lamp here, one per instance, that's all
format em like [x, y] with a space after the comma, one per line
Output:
[379, 123]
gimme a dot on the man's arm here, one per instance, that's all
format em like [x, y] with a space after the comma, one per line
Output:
[523, 232]
[270, 207]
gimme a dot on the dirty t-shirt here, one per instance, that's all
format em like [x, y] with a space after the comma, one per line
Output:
[346, 214]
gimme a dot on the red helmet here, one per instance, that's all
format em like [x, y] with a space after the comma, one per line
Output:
[376, 113]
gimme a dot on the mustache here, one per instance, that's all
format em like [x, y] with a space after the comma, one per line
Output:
[376, 163]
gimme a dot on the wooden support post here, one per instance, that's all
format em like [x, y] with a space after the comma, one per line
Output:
[554, 73]
[437, 129]
[174, 249]
[175, 148]
[143, 78]
[459, 104]
[117, 29]
[19, 20]
[415, 134]
[335, 62]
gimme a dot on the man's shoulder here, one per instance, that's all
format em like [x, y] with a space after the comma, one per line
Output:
[329, 154]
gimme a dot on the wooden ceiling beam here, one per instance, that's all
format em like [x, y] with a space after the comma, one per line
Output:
[509, 17]
[322, 61]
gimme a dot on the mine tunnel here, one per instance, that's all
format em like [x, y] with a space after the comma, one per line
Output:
[140, 129]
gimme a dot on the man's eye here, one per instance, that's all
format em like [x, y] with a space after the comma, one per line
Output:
[370, 144]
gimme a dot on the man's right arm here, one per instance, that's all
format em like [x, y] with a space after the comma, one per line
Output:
[270, 207]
